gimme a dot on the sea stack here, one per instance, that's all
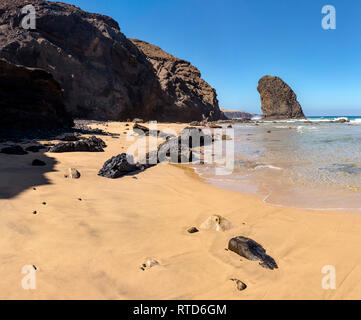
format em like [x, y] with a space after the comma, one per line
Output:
[278, 99]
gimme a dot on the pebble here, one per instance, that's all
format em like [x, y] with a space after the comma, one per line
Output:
[193, 230]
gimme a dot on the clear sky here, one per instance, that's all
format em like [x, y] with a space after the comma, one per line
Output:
[235, 42]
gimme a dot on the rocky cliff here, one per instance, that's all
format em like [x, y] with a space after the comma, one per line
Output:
[278, 101]
[30, 99]
[103, 74]
[188, 95]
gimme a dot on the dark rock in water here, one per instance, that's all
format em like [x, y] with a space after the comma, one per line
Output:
[30, 99]
[91, 144]
[34, 148]
[119, 166]
[193, 230]
[38, 163]
[240, 284]
[16, 150]
[278, 99]
[251, 250]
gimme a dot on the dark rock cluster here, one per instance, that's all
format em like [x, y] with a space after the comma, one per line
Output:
[91, 144]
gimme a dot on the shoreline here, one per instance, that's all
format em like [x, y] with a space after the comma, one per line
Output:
[94, 248]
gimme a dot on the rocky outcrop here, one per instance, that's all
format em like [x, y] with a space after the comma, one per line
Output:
[278, 101]
[92, 144]
[103, 74]
[188, 96]
[29, 99]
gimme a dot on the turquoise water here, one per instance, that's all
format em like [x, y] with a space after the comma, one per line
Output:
[293, 163]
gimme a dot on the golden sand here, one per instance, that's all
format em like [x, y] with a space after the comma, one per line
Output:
[94, 248]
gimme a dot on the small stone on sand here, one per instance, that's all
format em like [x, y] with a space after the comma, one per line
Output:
[193, 230]
[73, 173]
[217, 223]
[240, 284]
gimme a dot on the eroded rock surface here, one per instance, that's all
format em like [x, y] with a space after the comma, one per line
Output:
[278, 101]
[92, 144]
[251, 250]
[105, 76]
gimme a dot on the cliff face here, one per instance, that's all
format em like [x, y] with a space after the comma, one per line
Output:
[103, 74]
[188, 96]
[278, 99]
[30, 99]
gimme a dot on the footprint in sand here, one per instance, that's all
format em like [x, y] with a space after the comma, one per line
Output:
[217, 223]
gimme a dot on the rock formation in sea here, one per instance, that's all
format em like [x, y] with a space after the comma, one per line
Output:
[103, 74]
[188, 96]
[278, 101]
[30, 99]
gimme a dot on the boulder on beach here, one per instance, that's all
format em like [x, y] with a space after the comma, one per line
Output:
[119, 166]
[251, 250]
[278, 101]
[92, 144]
[38, 163]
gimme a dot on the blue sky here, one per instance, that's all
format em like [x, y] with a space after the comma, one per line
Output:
[235, 42]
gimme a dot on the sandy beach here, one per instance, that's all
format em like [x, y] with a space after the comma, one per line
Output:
[94, 248]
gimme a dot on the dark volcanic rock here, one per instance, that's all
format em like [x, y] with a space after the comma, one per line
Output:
[193, 230]
[29, 99]
[119, 166]
[179, 149]
[188, 96]
[34, 148]
[251, 250]
[38, 163]
[16, 150]
[91, 144]
[278, 99]
[103, 74]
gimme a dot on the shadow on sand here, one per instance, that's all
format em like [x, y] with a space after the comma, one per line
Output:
[17, 173]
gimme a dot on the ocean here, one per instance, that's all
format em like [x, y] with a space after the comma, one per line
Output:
[314, 164]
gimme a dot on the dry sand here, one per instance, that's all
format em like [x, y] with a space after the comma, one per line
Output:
[94, 248]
